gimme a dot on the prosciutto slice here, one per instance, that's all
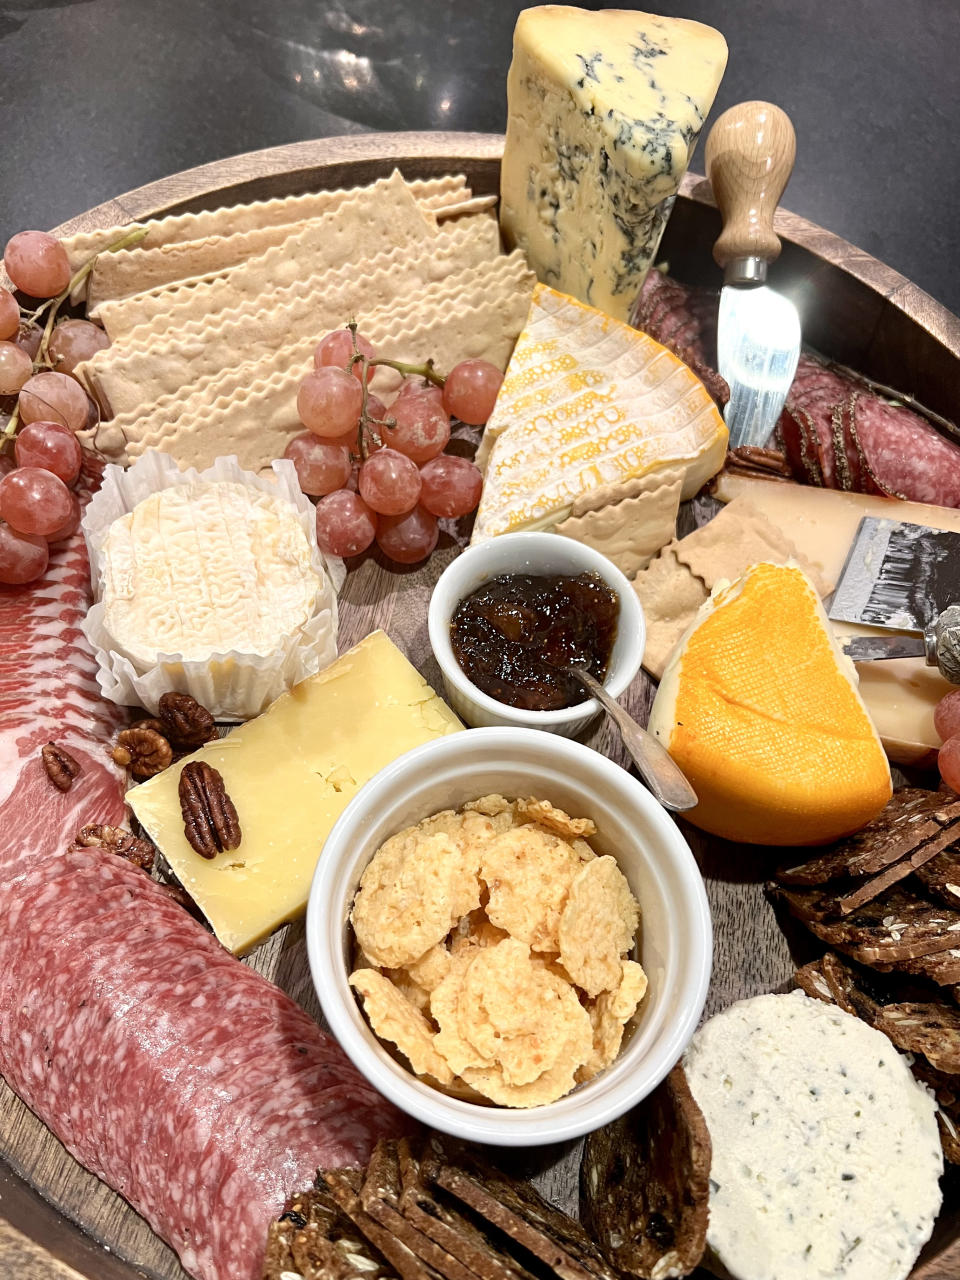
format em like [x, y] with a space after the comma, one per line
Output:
[49, 693]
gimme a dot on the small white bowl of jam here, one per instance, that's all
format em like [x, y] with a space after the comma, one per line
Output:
[509, 615]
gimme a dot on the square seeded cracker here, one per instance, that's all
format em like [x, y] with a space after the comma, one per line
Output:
[911, 818]
[314, 1239]
[448, 1227]
[645, 1184]
[345, 1191]
[380, 1198]
[516, 1209]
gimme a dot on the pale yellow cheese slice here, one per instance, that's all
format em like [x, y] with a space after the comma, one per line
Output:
[901, 693]
[588, 402]
[290, 773]
[760, 709]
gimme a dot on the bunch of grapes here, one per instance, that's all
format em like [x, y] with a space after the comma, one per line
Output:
[40, 455]
[383, 475]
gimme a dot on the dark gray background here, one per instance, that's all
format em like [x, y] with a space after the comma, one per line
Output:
[98, 96]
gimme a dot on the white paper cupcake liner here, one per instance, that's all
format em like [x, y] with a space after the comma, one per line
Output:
[231, 685]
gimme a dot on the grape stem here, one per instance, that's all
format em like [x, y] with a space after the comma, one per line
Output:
[126, 241]
[366, 424]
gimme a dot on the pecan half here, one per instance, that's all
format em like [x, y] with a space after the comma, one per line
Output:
[185, 722]
[123, 843]
[210, 820]
[60, 766]
[143, 751]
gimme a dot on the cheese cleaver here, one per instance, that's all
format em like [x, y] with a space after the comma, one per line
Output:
[749, 155]
[906, 578]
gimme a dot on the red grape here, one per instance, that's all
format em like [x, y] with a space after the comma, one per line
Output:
[389, 483]
[37, 263]
[70, 525]
[470, 391]
[450, 486]
[52, 447]
[337, 349]
[74, 341]
[322, 465]
[9, 314]
[946, 715]
[23, 558]
[408, 538]
[422, 424]
[345, 524]
[329, 401]
[29, 338]
[15, 368]
[34, 501]
[948, 762]
[54, 397]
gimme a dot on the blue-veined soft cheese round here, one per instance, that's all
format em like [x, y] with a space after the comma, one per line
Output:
[826, 1155]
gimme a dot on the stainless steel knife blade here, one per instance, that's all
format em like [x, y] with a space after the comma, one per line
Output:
[750, 154]
[758, 346]
[878, 648]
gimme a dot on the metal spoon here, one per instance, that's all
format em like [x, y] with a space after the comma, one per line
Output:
[657, 768]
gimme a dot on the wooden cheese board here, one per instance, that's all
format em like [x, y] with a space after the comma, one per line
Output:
[56, 1220]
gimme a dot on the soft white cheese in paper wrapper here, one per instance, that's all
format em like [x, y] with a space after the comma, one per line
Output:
[233, 684]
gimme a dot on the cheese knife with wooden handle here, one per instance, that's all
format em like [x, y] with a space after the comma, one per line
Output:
[750, 154]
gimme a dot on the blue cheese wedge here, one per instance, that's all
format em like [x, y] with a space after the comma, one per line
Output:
[826, 1158]
[604, 111]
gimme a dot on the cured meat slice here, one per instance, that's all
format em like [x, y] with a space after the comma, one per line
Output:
[49, 693]
[684, 319]
[840, 435]
[187, 1082]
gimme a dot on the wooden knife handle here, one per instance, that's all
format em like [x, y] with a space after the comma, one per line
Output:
[750, 154]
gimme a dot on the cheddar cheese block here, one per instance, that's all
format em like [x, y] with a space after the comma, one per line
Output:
[760, 709]
[901, 694]
[588, 402]
[604, 111]
[290, 774]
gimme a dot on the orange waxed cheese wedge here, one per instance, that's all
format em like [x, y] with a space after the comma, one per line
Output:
[760, 708]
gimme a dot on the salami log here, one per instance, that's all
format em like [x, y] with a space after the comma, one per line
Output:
[191, 1085]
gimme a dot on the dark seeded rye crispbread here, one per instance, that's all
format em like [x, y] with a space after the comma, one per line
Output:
[943, 967]
[314, 1239]
[645, 1184]
[516, 1209]
[946, 1089]
[400, 1256]
[898, 925]
[932, 1029]
[911, 817]
[831, 980]
[940, 877]
[380, 1198]
[455, 1233]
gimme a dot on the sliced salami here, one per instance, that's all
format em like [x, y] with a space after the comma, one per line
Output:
[191, 1085]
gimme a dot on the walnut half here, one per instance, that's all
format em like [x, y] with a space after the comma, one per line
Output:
[210, 820]
[143, 751]
[125, 844]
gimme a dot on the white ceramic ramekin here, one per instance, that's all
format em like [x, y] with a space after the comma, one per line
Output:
[536, 553]
[676, 933]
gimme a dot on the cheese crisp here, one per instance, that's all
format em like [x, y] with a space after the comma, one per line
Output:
[516, 1001]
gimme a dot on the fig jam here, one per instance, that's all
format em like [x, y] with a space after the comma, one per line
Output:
[514, 635]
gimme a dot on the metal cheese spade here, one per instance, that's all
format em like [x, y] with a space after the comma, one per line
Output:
[750, 154]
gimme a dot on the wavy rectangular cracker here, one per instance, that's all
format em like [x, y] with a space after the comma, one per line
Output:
[148, 370]
[385, 213]
[436, 194]
[475, 314]
[129, 270]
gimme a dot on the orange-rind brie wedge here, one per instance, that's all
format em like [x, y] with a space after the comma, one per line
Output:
[760, 708]
[587, 403]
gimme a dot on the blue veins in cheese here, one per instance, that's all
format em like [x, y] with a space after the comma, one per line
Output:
[826, 1156]
[604, 112]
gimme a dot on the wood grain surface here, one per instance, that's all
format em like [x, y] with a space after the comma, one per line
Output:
[852, 307]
